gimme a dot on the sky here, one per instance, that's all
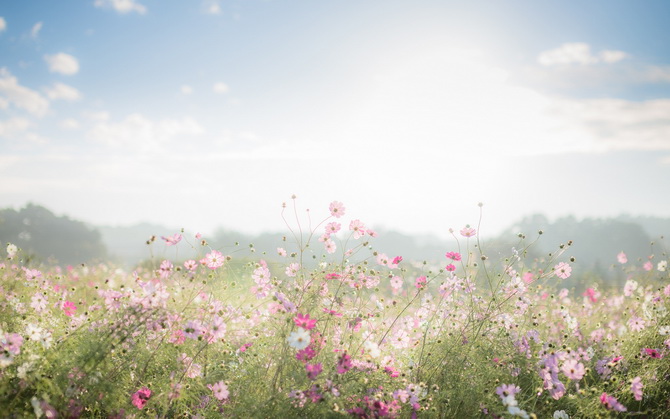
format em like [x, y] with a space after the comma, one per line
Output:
[207, 114]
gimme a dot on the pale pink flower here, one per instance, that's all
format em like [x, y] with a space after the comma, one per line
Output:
[396, 282]
[281, 252]
[563, 270]
[32, 274]
[214, 259]
[191, 265]
[611, 403]
[172, 240]
[382, 259]
[332, 228]
[292, 269]
[636, 388]
[198, 236]
[330, 246]
[648, 266]
[39, 302]
[468, 231]
[337, 209]
[220, 390]
[358, 228]
[165, 269]
[636, 323]
[573, 370]
[622, 258]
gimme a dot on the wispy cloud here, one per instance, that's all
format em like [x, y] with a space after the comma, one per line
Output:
[21, 97]
[579, 53]
[35, 31]
[121, 6]
[13, 126]
[186, 89]
[63, 91]
[3, 24]
[220, 87]
[62, 63]
[137, 133]
[212, 7]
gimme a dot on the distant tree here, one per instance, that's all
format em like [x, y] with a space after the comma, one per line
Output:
[38, 231]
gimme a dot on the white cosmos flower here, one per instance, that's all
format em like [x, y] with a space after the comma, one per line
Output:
[299, 339]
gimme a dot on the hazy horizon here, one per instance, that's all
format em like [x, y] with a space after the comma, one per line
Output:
[210, 114]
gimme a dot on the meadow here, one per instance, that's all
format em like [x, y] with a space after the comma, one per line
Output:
[331, 326]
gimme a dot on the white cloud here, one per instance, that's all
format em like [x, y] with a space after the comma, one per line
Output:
[35, 31]
[122, 6]
[186, 89]
[62, 63]
[63, 91]
[13, 126]
[20, 96]
[138, 133]
[617, 124]
[97, 116]
[3, 24]
[220, 87]
[578, 53]
[70, 124]
[212, 7]
[612, 56]
[657, 74]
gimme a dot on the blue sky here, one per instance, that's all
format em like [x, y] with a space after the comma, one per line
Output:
[212, 113]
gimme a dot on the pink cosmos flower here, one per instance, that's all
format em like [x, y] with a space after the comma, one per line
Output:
[358, 228]
[528, 277]
[573, 370]
[468, 231]
[292, 269]
[281, 252]
[332, 228]
[563, 270]
[455, 256]
[39, 302]
[304, 321]
[396, 282]
[141, 397]
[214, 259]
[165, 269]
[69, 308]
[32, 274]
[344, 364]
[591, 294]
[172, 240]
[337, 209]
[506, 390]
[647, 266]
[653, 353]
[450, 267]
[621, 257]
[636, 388]
[220, 390]
[396, 260]
[420, 282]
[636, 323]
[306, 354]
[313, 370]
[611, 403]
[191, 265]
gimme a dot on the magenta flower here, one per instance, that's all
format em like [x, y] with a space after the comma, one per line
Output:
[396, 260]
[344, 364]
[636, 388]
[141, 397]
[591, 294]
[420, 282]
[563, 270]
[337, 209]
[313, 370]
[450, 267]
[69, 308]
[453, 256]
[303, 320]
[653, 353]
[305, 354]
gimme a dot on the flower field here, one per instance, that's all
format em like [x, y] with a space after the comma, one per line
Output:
[331, 326]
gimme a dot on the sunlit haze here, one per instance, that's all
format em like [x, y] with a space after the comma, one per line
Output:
[206, 114]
